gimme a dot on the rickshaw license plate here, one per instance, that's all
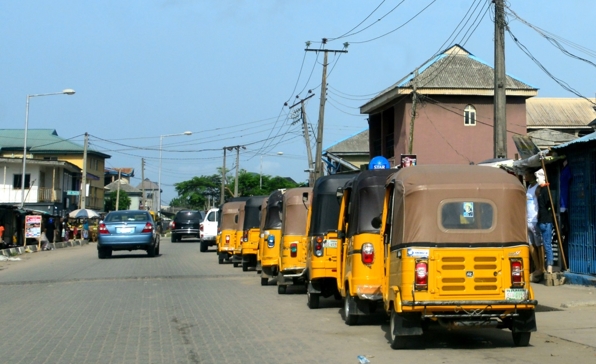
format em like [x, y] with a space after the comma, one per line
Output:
[330, 244]
[516, 294]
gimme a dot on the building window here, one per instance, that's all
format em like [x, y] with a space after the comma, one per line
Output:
[469, 116]
[16, 181]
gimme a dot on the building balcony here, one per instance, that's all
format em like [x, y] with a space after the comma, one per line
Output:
[46, 194]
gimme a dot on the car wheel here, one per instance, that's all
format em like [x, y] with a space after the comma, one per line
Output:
[244, 266]
[173, 238]
[157, 249]
[264, 281]
[282, 289]
[312, 300]
[204, 246]
[349, 316]
[101, 253]
[521, 339]
[151, 251]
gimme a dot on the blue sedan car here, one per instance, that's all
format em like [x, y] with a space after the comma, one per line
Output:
[127, 230]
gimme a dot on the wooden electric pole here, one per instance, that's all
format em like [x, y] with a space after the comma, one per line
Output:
[500, 107]
[413, 113]
[143, 200]
[223, 179]
[311, 179]
[319, 150]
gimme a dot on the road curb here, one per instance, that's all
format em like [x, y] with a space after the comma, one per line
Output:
[19, 250]
[579, 279]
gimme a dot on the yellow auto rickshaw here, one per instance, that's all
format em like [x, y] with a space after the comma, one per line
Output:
[229, 226]
[292, 254]
[322, 247]
[269, 251]
[361, 261]
[249, 244]
[456, 252]
[261, 242]
[238, 237]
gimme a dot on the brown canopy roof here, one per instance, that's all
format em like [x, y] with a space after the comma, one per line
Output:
[229, 211]
[295, 211]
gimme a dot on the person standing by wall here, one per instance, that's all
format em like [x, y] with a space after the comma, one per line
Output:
[545, 219]
[2, 233]
[536, 248]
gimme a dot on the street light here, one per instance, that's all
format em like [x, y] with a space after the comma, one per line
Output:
[261, 173]
[159, 177]
[67, 91]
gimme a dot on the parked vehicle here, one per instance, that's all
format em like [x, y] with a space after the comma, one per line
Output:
[322, 247]
[361, 263]
[456, 252]
[187, 223]
[269, 251]
[292, 254]
[208, 229]
[229, 227]
[127, 230]
[250, 231]
[262, 242]
[237, 251]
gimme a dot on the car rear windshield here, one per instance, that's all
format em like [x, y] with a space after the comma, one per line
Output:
[190, 215]
[126, 216]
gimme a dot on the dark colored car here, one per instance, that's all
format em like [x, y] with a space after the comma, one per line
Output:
[187, 223]
[127, 230]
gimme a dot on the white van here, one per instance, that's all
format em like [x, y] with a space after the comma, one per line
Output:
[209, 229]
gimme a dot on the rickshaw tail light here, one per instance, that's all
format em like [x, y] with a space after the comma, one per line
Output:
[318, 246]
[368, 253]
[517, 273]
[148, 228]
[227, 239]
[245, 236]
[293, 250]
[103, 229]
[421, 275]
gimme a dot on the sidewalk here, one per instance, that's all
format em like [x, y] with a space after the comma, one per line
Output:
[9, 252]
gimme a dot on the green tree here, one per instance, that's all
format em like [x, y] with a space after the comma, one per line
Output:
[194, 193]
[123, 201]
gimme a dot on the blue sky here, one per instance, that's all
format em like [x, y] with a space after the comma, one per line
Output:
[224, 68]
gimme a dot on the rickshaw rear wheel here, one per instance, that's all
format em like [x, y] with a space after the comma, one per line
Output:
[264, 281]
[313, 300]
[397, 342]
[521, 339]
[349, 317]
[244, 266]
[220, 258]
[281, 289]
[235, 264]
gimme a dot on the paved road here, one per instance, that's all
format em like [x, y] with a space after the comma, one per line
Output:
[67, 306]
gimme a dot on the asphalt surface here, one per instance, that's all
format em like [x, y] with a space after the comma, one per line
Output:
[67, 306]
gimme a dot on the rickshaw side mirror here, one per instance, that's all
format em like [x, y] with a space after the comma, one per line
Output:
[236, 219]
[376, 222]
[304, 197]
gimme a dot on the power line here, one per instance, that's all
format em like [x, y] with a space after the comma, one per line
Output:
[359, 24]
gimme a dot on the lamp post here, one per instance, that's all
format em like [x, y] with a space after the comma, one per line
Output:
[261, 171]
[159, 177]
[67, 91]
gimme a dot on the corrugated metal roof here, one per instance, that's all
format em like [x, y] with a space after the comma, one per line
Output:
[42, 141]
[357, 143]
[559, 112]
[113, 186]
[590, 138]
[454, 69]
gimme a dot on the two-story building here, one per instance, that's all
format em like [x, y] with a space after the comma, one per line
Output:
[53, 171]
[444, 109]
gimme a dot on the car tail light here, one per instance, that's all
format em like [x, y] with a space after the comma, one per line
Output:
[173, 225]
[318, 246]
[271, 241]
[245, 236]
[368, 253]
[421, 274]
[103, 229]
[148, 228]
[227, 240]
[517, 273]
[293, 250]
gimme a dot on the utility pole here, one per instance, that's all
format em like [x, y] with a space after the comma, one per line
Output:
[306, 138]
[118, 189]
[500, 107]
[223, 179]
[413, 113]
[319, 151]
[237, 169]
[84, 178]
[143, 200]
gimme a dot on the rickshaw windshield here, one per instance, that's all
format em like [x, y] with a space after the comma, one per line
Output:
[273, 215]
[325, 205]
[368, 191]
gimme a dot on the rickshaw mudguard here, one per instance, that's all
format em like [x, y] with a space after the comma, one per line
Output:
[524, 322]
